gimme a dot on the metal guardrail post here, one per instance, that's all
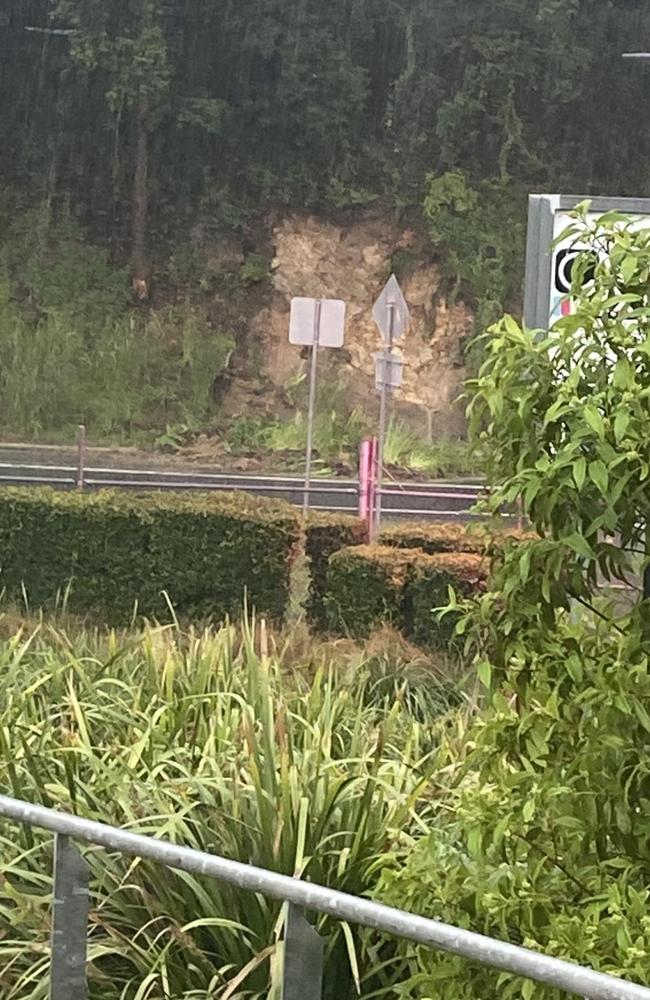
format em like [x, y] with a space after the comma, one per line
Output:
[68, 979]
[302, 977]
[81, 456]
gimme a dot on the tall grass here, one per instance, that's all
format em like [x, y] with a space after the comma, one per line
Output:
[404, 448]
[209, 740]
[126, 376]
[337, 437]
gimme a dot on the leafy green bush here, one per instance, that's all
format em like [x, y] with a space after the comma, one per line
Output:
[326, 534]
[479, 233]
[113, 552]
[441, 536]
[203, 740]
[364, 589]
[544, 835]
[372, 585]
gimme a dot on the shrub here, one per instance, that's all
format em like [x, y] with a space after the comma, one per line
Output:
[544, 834]
[115, 551]
[435, 537]
[482, 539]
[326, 534]
[364, 589]
[372, 585]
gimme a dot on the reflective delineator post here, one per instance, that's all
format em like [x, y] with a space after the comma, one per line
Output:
[365, 455]
[81, 456]
[68, 979]
[312, 405]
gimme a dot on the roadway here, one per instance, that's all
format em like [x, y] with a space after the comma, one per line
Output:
[58, 467]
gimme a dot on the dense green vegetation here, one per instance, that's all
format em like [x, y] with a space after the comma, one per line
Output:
[544, 833]
[238, 104]
[118, 556]
[133, 130]
[207, 740]
[368, 585]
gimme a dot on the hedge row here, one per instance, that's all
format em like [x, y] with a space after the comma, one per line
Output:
[326, 534]
[434, 537]
[114, 552]
[371, 585]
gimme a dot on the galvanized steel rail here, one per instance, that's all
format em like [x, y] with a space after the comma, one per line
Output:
[554, 972]
[406, 499]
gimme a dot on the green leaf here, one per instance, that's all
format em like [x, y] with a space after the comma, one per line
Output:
[579, 471]
[594, 419]
[599, 475]
[623, 374]
[484, 671]
[579, 544]
[627, 267]
[554, 411]
[621, 423]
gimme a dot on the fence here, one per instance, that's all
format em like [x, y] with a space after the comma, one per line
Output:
[303, 954]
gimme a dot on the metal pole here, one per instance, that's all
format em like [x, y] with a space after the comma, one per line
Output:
[69, 923]
[312, 405]
[646, 571]
[81, 456]
[383, 414]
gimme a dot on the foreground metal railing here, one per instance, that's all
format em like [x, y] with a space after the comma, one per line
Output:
[303, 961]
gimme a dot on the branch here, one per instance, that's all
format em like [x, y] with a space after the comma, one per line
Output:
[598, 613]
[554, 861]
[51, 31]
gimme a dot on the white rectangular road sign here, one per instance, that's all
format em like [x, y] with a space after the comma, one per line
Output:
[303, 322]
[389, 370]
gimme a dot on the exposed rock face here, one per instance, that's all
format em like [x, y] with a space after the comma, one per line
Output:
[319, 259]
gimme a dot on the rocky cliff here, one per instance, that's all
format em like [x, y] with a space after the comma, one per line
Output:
[318, 258]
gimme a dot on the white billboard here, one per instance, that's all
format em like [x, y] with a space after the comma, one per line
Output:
[548, 267]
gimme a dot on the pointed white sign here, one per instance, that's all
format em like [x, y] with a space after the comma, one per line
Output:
[391, 307]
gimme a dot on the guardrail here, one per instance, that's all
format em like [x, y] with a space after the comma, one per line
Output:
[400, 499]
[303, 954]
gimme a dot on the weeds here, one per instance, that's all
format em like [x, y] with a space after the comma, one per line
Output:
[337, 438]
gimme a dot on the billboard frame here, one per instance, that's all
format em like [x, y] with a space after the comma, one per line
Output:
[542, 209]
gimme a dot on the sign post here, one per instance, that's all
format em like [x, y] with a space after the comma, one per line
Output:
[392, 316]
[315, 323]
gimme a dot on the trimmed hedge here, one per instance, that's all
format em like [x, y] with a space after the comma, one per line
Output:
[115, 551]
[428, 588]
[326, 534]
[372, 585]
[442, 536]
[434, 537]
[364, 589]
